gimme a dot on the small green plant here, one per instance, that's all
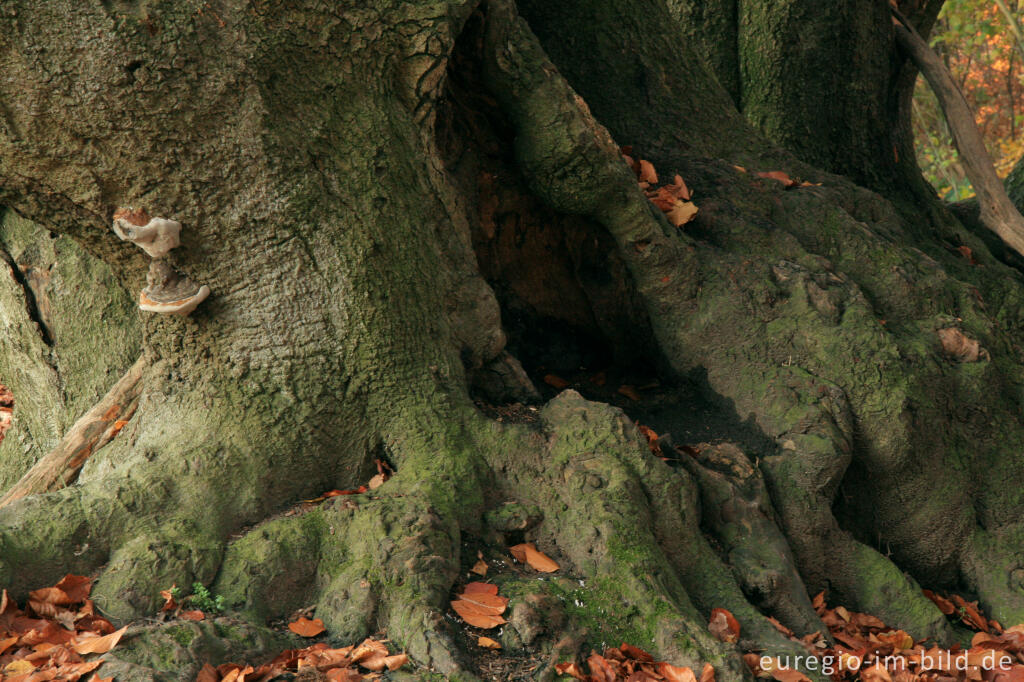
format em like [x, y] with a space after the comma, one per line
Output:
[203, 600]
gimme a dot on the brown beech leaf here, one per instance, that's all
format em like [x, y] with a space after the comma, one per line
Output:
[481, 607]
[708, 673]
[528, 553]
[208, 674]
[97, 645]
[674, 674]
[570, 669]
[630, 392]
[555, 381]
[724, 626]
[194, 615]
[487, 643]
[778, 175]
[897, 638]
[876, 673]
[169, 603]
[681, 213]
[480, 588]
[304, 627]
[480, 567]
[957, 346]
[647, 172]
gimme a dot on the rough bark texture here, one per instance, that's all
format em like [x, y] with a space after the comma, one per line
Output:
[347, 178]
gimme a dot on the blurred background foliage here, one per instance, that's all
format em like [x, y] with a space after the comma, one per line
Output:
[982, 43]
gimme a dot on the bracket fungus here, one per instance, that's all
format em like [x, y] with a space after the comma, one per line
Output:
[155, 236]
[168, 291]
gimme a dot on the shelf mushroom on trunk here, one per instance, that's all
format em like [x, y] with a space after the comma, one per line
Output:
[167, 291]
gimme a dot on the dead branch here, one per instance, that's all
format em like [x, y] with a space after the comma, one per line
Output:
[96, 428]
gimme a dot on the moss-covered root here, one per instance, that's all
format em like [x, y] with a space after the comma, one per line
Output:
[993, 568]
[568, 158]
[814, 423]
[737, 509]
[385, 560]
[379, 561]
[627, 523]
[144, 543]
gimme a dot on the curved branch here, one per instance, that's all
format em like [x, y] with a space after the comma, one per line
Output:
[997, 211]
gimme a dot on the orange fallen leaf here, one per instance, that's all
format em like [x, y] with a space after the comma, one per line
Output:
[487, 643]
[480, 605]
[169, 603]
[480, 567]
[194, 615]
[527, 553]
[708, 673]
[480, 588]
[208, 674]
[97, 645]
[376, 482]
[304, 627]
[724, 626]
[778, 175]
[674, 674]
[570, 669]
[647, 172]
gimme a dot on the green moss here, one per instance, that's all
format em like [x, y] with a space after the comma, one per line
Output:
[182, 634]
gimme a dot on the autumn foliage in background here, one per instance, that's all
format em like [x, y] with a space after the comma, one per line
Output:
[984, 51]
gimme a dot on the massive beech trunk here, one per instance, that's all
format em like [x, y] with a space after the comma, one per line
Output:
[394, 204]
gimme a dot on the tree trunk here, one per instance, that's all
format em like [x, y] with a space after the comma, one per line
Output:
[394, 203]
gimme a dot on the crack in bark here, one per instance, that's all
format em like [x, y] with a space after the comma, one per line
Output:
[31, 306]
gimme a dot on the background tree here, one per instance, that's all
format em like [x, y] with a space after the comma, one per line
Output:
[394, 204]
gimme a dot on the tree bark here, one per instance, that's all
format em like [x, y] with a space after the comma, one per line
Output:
[346, 178]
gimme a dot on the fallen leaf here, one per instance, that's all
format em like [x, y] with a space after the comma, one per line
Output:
[630, 392]
[194, 615]
[19, 667]
[97, 645]
[724, 626]
[708, 673]
[647, 172]
[957, 346]
[674, 674]
[207, 674]
[478, 588]
[169, 603]
[682, 212]
[376, 482]
[480, 567]
[876, 673]
[480, 605]
[487, 643]
[966, 252]
[570, 669]
[304, 627]
[555, 381]
[778, 175]
[527, 553]
[945, 605]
